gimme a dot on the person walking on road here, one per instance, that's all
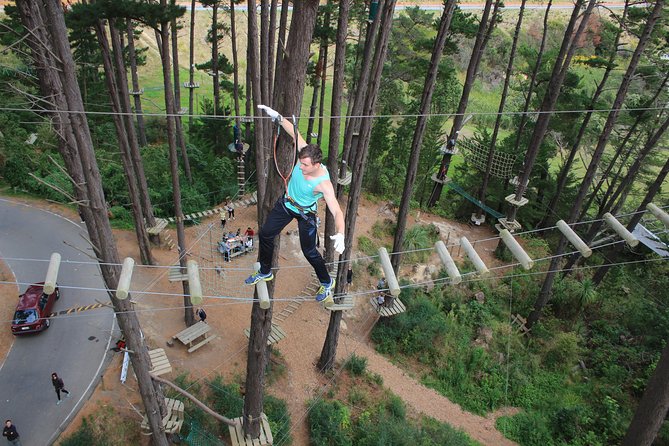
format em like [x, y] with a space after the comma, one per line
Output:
[11, 433]
[59, 386]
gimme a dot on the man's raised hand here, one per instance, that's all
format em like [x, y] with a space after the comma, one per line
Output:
[271, 113]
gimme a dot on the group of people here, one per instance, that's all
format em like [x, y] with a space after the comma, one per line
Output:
[383, 296]
[234, 242]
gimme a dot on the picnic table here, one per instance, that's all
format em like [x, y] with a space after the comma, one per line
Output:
[195, 336]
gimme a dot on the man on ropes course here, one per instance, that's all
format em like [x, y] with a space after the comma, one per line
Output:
[305, 185]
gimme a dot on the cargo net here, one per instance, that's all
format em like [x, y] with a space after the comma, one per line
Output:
[477, 155]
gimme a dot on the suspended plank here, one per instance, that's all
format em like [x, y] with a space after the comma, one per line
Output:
[124, 280]
[621, 230]
[52, 274]
[659, 214]
[448, 262]
[517, 250]
[194, 285]
[573, 238]
[388, 272]
[261, 288]
[473, 256]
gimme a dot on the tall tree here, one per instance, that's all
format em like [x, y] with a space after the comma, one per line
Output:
[547, 286]
[502, 103]
[181, 140]
[132, 56]
[171, 112]
[124, 144]
[289, 97]
[326, 361]
[419, 132]
[55, 64]
[486, 26]
[191, 66]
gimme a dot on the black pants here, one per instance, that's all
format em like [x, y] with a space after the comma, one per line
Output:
[58, 390]
[278, 219]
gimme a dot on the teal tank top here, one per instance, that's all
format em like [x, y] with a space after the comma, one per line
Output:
[302, 190]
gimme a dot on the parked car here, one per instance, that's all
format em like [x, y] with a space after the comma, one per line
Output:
[33, 310]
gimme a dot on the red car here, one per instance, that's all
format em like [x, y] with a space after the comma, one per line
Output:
[33, 310]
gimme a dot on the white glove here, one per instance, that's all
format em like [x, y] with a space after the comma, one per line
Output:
[271, 113]
[338, 242]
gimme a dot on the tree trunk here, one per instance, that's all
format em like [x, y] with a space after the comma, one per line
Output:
[191, 63]
[636, 218]
[545, 293]
[280, 46]
[289, 98]
[419, 132]
[353, 122]
[55, 34]
[328, 352]
[316, 83]
[123, 140]
[324, 78]
[652, 409]
[500, 111]
[262, 126]
[470, 77]
[533, 76]
[560, 68]
[214, 64]
[170, 109]
[335, 118]
[235, 63]
[135, 83]
[181, 141]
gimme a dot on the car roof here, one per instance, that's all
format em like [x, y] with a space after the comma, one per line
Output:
[31, 297]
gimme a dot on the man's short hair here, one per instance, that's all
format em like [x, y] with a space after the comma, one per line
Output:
[311, 151]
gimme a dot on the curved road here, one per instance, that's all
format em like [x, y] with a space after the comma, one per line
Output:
[75, 345]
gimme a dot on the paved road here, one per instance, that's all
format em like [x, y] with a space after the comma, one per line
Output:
[75, 346]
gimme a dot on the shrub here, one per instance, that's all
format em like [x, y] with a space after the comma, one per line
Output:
[356, 365]
[367, 246]
[563, 352]
[329, 424]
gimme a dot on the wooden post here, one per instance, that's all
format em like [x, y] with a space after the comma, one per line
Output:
[261, 288]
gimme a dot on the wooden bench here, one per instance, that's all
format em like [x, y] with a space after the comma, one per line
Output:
[396, 308]
[345, 303]
[238, 438]
[173, 419]
[160, 365]
[275, 335]
[190, 336]
[161, 224]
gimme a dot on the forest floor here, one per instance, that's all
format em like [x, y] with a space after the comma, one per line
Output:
[161, 317]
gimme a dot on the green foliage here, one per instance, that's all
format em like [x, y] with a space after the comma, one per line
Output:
[419, 239]
[356, 365]
[367, 246]
[105, 427]
[563, 352]
[329, 424]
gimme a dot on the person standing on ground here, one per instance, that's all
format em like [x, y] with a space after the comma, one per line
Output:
[349, 278]
[202, 315]
[231, 212]
[11, 434]
[59, 386]
[223, 219]
[309, 181]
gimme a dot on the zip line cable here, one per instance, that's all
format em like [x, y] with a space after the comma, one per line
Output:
[391, 116]
[356, 259]
[439, 281]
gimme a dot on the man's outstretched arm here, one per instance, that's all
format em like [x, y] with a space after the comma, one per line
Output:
[286, 124]
[333, 205]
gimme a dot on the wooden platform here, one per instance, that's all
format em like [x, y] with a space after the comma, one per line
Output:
[195, 336]
[237, 437]
[175, 275]
[158, 228]
[172, 421]
[275, 335]
[345, 303]
[160, 365]
[397, 307]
